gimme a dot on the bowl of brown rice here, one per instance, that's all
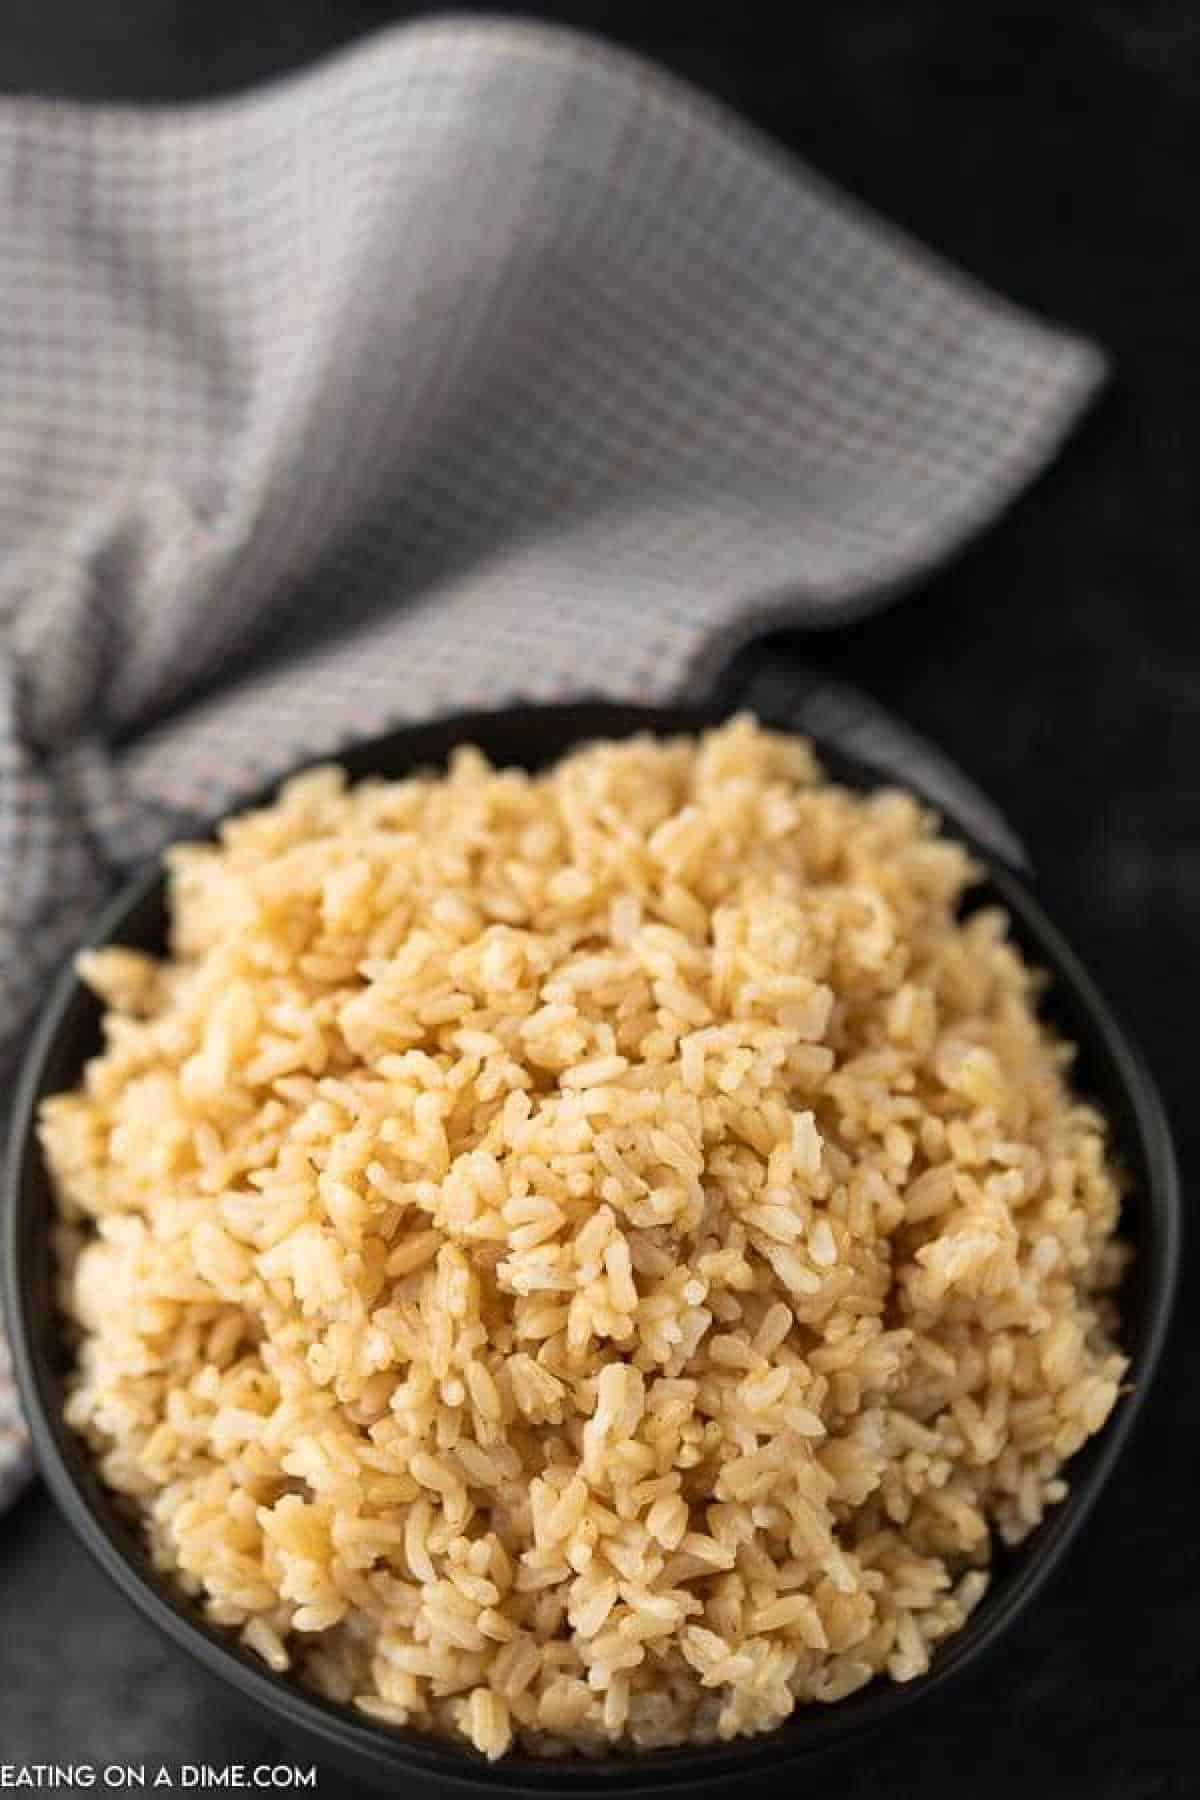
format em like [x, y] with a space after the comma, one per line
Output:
[583, 1245]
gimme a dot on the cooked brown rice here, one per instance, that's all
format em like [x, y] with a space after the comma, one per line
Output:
[583, 1258]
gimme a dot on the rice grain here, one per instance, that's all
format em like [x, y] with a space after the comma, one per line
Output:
[583, 1258]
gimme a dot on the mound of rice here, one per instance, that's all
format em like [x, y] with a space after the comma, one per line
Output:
[584, 1258]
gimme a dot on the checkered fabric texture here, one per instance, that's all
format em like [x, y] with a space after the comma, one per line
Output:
[480, 363]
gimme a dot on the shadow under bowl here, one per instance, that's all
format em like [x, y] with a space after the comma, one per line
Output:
[1108, 1070]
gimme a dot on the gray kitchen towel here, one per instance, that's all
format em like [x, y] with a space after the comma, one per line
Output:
[482, 361]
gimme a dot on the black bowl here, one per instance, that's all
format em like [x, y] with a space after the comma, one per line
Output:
[1108, 1069]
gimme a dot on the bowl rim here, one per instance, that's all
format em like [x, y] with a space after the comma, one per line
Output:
[383, 1751]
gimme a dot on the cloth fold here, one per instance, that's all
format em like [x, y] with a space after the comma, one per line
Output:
[480, 362]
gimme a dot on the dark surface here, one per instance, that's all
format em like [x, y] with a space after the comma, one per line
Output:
[1045, 147]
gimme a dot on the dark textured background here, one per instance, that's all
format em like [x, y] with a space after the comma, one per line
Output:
[1044, 147]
